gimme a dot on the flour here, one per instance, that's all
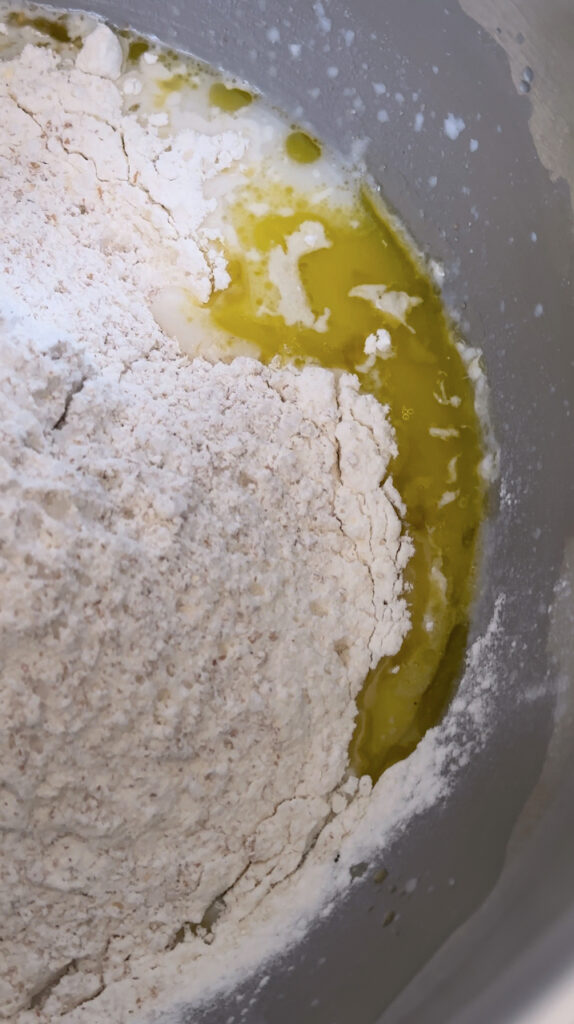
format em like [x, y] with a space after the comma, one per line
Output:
[292, 304]
[101, 54]
[199, 564]
[396, 305]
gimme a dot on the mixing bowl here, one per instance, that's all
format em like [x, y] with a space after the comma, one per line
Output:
[490, 923]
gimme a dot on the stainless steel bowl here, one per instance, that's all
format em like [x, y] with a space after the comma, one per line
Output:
[500, 218]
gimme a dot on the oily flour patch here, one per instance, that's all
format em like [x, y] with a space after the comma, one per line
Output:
[199, 561]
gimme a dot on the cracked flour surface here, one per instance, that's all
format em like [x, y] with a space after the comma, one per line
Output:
[198, 562]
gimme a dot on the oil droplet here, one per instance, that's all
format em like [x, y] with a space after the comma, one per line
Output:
[229, 99]
[52, 27]
[136, 49]
[302, 148]
[176, 83]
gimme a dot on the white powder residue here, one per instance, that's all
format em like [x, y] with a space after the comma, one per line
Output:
[447, 498]
[435, 267]
[444, 433]
[323, 21]
[101, 54]
[396, 305]
[473, 360]
[379, 343]
[440, 395]
[200, 564]
[453, 126]
[291, 302]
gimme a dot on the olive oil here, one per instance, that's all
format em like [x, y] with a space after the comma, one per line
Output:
[228, 98]
[54, 28]
[425, 384]
[302, 148]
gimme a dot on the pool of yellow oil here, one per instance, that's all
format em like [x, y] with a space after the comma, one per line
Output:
[228, 98]
[431, 405]
[52, 26]
[302, 148]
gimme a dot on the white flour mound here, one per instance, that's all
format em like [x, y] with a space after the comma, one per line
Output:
[198, 562]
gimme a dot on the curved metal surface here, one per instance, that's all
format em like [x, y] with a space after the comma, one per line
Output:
[503, 228]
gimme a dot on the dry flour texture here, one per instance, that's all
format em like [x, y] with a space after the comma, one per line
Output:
[199, 562]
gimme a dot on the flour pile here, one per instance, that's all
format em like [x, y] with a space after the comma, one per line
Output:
[198, 562]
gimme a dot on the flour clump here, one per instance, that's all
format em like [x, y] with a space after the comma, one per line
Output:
[200, 561]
